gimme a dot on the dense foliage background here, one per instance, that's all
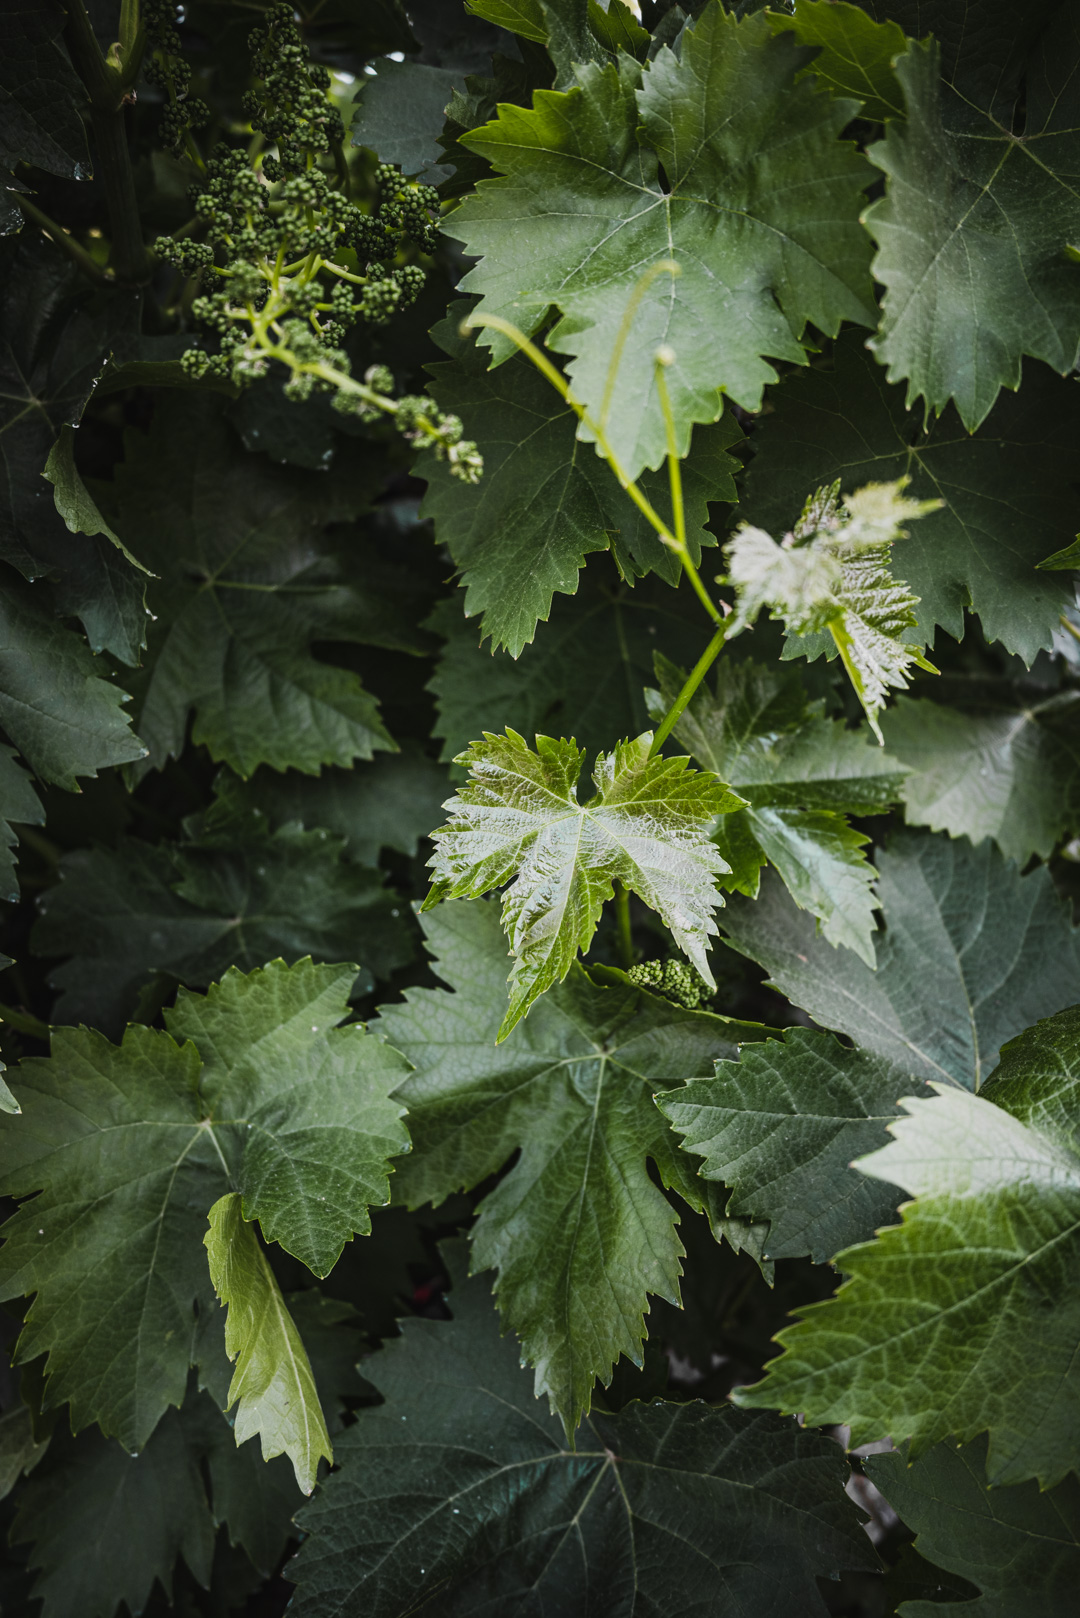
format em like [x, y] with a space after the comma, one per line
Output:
[299, 543]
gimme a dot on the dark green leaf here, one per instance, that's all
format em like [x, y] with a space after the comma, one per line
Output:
[761, 216]
[982, 549]
[400, 115]
[577, 1230]
[546, 500]
[1018, 1545]
[20, 1451]
[459, 1496]
[18, 802]
[780, 1128]
[972, 954]
[41, 96]
[855, 54]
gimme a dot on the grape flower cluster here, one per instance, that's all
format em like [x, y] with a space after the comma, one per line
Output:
[675, 980]
[293, 263]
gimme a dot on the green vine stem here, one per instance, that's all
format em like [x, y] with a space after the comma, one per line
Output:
[24, 1023]
[690, 685]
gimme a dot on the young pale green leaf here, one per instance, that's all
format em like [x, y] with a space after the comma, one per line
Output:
[128, 1147]
[1010, 773]
[780, 1128]
[272, 1386]
[798, 771]
[973, 953]
[982, 547]
[932, 1333]
[546, 500]
[855, 55]
[831, 572]
[20, 803]
[668, 1504]
[518, 822]
[1012, 1544]
[577, 1229]
[758, 207]
[231, 894]
[971, 232]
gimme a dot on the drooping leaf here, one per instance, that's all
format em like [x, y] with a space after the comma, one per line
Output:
[985, 1264]
[667, 1508]
[972, 954]
[971, 232]
[18, 802]
[272, 1386]
[245, 586]
[43, 97]
[780, 1128]
[798, 772]
[1012, 1544]
[129, 1146]
[585, 672]
[855, 54]
[1009, 773]
[232, 894]
[577, 1230]
[547, 500]
[56, 705]
[519, 822]
[759, 210]
[982, 548]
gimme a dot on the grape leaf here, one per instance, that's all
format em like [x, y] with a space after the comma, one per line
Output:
[973, 953]
[798, 772]
[546, 500]
[231, 895]
[65, 718]
[932, 1333]
[129, 1146]
[272, 1386]
[400, 115]
[43, 96]
[981, 550]
[586, 670]
[20, 1450]
[780, 1128]
[577, 1230]
[458, 1495]
[18, 802]
[1009, 773]
[971, 232]
[245, 587]
[855, 54]
[1014, 1544]
[518, 821]
[759, 210]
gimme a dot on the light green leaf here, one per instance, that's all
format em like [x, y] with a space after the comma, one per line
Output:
[855, 55]
[972, 954]
[546, 500]
[518, 821]
[971, 231]
[128, 1146]
[677, 1509]
[577, 1230]
[18, 802]
[932, 1333]
[798, 771]
[272, 1386]
[780, 1127]
[1015, 1544]
[981, 549]
[759, 209]
[1010, 773]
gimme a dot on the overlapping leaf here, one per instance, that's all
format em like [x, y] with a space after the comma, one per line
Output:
[20, 803]
[1009, 500]
[231, 894]
[855, 55]
[666, 1508]
[577, 1230]
[43, 97]
[972, 954]
[798, 772]
[759, 208]
[979, 206]
[933, 1332]
[519, 822]
[546, 500]
[780, 1128]
[129, 1146]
